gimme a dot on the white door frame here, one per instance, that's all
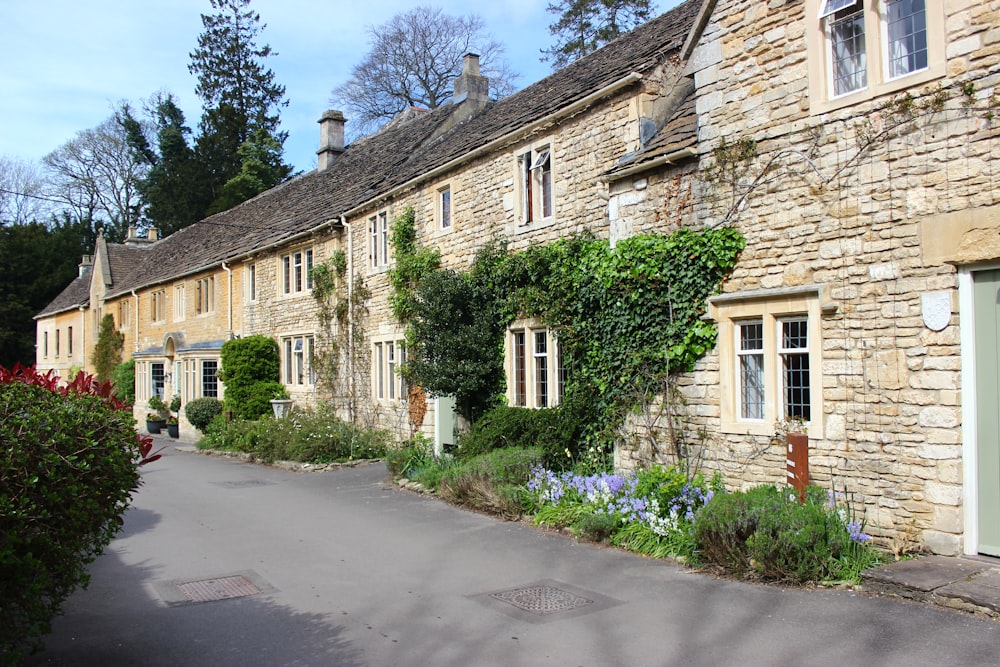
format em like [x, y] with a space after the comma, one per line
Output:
[970, 434]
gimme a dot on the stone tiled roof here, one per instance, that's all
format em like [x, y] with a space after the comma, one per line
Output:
[679, 132]
[76, 294]
[373, 166]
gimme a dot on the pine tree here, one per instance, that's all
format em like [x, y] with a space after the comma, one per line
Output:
[586, 25]
[239, 94]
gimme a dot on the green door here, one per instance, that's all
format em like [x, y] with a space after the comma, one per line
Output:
[987, 318]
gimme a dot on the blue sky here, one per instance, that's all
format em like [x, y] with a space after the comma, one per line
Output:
[63, 63]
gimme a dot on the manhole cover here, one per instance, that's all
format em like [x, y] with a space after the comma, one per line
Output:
[222, 588]
[542, 600]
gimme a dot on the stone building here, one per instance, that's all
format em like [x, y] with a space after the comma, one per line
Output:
[852, 142]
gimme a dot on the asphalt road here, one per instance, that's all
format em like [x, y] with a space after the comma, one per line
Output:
[354, 571]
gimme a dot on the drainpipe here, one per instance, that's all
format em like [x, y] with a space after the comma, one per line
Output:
[229, 284]
[350, 317]
[136, 344]
[83, 338]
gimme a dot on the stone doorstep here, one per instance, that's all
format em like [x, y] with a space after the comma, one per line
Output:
[955, 583]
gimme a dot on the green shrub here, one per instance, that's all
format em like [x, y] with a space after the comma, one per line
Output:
[69, 469]
[596, 527]
[201, 411]
[123, 377]
[492, 482]
[251, 370]
[556, 431]
[412, 456]
[307, 435]
[766, 533]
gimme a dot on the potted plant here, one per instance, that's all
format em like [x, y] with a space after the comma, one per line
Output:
[281, 404]
[173, 429]
[155, 421]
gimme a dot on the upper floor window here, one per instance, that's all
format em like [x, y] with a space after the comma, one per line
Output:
[871, 47]
[180, 302]
[296, 271]
[205, 295]
[57, 342]
[444, 207]
[124, 314]
[378, 240]
[158, 305]
[69, 341]
[45, 344]
[535, 182]
[250, 273]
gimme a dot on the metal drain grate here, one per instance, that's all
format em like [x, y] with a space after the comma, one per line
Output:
[542, 600]
[222, 588]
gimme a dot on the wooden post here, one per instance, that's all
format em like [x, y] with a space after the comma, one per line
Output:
[797, 462]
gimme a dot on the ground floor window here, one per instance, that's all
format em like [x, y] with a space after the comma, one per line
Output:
[388, 356]
[770, 354]
[536, 373]
[297, 361]
[157, 379]
[209, 378]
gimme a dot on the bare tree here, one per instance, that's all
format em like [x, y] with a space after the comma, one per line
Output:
[22, 192]
[97, 175]
[413, 61]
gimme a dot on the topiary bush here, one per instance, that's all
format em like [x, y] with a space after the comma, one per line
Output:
[251, 370]
[201, 411]
[70, 466]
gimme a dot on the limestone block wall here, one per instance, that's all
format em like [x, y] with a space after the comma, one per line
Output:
[485, 201]
[856, 224]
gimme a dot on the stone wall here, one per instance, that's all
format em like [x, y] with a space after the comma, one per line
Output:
[854, 223]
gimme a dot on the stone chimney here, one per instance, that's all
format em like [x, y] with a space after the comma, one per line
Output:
[132, 239]
[152, 234]
[471, 86]
[86, 264]
[331, 138]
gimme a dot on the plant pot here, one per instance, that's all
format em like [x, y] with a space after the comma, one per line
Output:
[155, 425]
[173, 430]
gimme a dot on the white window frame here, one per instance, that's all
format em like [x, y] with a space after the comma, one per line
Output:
[444, 208]
[378, 241]
[771, 309]
[180, 302]
[296, 272]
[388, 356]
[250, 281]
[297, 360]
[536, 375]
[819, 16]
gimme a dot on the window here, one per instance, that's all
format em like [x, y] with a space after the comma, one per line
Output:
[444, 207]
[769, 352]
[387, 358]
[298, 361]
[205, 295]
[251, 281]
[124, 315]
[69, 341]
[57, 342]
[180, 301]
[209, 379]
[296, 272]
[872, 47]
[378, 240]
[536, 369]
[45, 344]
[535, 181]
[157, 378]
[157, 306]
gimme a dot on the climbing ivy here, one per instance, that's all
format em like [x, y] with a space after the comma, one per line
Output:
[625, 317]
[412, 262]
